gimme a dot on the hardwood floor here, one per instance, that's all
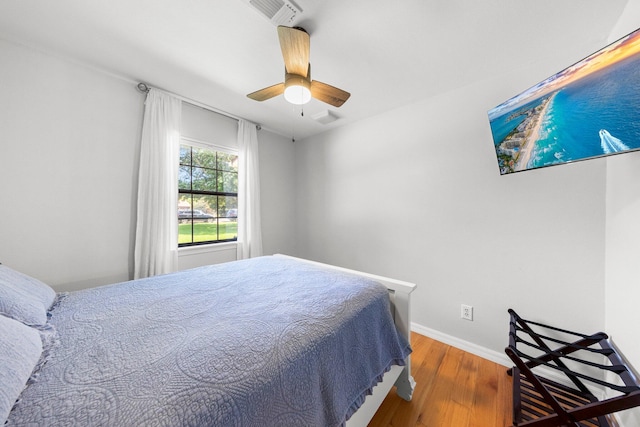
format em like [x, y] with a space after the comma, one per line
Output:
[454, 389]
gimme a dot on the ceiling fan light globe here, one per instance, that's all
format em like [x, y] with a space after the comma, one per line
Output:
[297, 94]
[297, 89]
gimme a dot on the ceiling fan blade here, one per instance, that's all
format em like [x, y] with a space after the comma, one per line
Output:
[267, 92]
[329, 94]
[294, 44]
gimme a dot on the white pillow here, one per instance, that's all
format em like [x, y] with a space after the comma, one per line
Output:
[24, 298]
[20, 350]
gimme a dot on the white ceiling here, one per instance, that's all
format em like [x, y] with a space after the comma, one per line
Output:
[386, 53]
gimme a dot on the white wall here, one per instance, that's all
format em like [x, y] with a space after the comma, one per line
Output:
[416, 194]
[207, 126]
[277, 189]
[623, 240]
[69, 144]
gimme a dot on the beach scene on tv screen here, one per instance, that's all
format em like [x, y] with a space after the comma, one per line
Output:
[590, 109]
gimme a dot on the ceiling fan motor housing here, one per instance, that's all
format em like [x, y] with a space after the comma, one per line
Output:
[296, 80]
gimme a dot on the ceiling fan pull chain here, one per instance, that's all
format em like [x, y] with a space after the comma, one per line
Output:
[293, 123]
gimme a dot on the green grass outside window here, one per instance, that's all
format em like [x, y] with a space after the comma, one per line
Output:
[203, 231]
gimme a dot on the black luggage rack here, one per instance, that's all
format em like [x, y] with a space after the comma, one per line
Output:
[540, 401]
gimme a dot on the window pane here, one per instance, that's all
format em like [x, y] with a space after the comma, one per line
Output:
[228, 229]
[227, 206]
[205, 208]
[184, 219]
[205, 227]
[185, 223]
[228, 224]
[228, 182]
[203, 157]
[184, 232]
[228, 162]
[204, 179]
[184, 178]
[185, 155]
[184, 204]
[205, 231]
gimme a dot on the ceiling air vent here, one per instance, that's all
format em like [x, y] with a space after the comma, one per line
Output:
[279, 12]
[325, 117]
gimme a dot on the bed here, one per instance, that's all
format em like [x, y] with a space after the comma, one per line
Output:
[270, 341]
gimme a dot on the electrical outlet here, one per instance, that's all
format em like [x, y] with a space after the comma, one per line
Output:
[466, 312]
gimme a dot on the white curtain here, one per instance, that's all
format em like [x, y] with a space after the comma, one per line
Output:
[249, 228]
[156, 248]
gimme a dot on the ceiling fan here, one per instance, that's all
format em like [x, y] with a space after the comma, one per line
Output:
[298, 88]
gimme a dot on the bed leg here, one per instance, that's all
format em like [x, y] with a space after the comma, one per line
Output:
[405, 385]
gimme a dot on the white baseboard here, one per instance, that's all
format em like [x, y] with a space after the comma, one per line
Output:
[469, 347]
[494, 356]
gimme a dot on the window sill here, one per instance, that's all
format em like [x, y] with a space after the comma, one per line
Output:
[213, 247]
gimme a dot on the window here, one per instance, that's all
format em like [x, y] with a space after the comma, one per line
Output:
[207, 195]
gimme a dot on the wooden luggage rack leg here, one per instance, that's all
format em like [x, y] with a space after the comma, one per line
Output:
[539, 401]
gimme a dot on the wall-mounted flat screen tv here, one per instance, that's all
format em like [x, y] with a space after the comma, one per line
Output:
[590, 109]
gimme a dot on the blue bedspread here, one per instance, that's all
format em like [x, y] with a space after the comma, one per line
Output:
[262, 342]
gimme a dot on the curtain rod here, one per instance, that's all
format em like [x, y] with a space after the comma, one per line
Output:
[144, 88]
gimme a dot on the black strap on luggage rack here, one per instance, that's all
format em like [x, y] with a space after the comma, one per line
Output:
[541, 402]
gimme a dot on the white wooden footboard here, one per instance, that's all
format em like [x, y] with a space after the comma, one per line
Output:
[400, 376]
